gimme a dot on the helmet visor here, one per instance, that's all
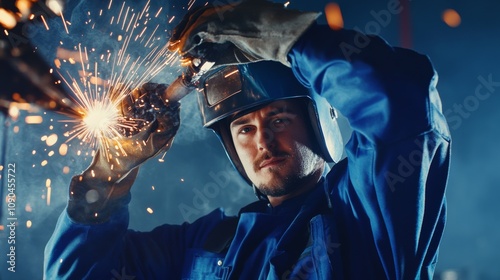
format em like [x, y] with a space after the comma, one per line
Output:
[222, 84]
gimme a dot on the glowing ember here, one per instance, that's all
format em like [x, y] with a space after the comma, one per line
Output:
[10, 199]
[49, 194]
[63, 149]
[24, 7]
[452, 18]
[33, 119]
[44, 22]
[14, 112]
[51, 140]
[7, 19]
[150, 211]
[55, 6]
[29, 223]
[334, 16]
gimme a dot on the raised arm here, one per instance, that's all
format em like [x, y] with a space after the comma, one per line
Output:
[91, 239]
[389, 192]
[386, 93]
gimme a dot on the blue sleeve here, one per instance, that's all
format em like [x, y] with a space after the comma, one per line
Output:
[389, 192]
[110, 251]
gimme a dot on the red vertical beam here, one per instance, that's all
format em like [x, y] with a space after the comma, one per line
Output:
[405, 24]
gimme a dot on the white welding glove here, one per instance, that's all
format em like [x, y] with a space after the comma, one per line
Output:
[241, 32]
[101, 188]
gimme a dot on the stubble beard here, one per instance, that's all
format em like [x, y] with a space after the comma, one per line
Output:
[293, 180]
[279, 185]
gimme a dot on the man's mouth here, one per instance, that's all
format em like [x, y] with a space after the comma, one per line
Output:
[273, 161]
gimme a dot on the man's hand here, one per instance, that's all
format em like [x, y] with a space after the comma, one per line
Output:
[243, 32]
[96, 193]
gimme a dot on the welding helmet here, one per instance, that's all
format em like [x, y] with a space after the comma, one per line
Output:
[239, 89]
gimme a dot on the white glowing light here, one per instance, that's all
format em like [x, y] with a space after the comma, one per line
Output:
[14, 112]
[33, 119]
[51, 140]
[63, 149]
[55, 6]
[101, 119]
[24, 6]
[49, 194]
[7, 19]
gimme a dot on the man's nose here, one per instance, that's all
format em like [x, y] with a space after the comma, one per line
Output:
[265, 138]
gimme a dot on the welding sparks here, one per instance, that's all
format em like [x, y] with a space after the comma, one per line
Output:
[44, 22]
[99, 96]
[98, 79]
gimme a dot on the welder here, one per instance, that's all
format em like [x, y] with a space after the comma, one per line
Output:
[273, 96]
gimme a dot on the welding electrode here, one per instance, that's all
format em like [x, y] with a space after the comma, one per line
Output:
[188, 81]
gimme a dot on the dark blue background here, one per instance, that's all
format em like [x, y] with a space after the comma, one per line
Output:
[463, 56]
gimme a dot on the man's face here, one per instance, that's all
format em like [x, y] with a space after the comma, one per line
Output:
[276, 149]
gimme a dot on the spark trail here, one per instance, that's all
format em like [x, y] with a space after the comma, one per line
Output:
[99, 96]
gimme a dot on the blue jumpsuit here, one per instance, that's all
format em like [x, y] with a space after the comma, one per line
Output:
[378, 214]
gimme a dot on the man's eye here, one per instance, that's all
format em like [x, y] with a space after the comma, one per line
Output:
[281, 121]
[244, 130]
